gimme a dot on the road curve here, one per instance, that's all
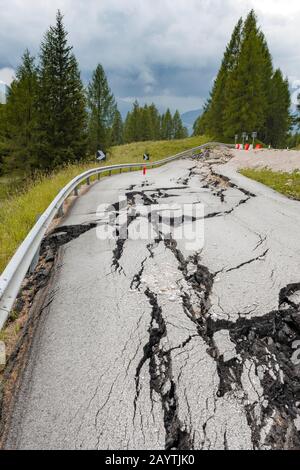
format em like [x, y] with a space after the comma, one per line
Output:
[145, 344]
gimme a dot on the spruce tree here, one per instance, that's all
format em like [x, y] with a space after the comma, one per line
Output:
[167, 128]
[4, 142]
[132, 124]
[242, 99]
[21, 117]
[246, 93]
[117, 137]
[179, 131]
[212, 119]
[279, 117]
[145, 125]
[155, 121]
[61, 101]
[102, 110]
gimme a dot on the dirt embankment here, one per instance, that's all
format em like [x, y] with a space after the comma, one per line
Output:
[276, 160]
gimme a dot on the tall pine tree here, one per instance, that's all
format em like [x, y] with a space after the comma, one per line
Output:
[21, 117]
[4, 141]
[61, 101]
[132, 124]
[167, 128]
[279, 117]
[212, 118]
[155, 121]
[244, 93]
[102, 110]
[179, 131]
[117, 137]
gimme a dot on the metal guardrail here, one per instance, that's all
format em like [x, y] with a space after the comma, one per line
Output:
[16, 270]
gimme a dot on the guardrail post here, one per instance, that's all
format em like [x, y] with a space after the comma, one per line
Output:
[98, 176]
[109, 173]
[76, 191]
[120, 170]
[88, 181]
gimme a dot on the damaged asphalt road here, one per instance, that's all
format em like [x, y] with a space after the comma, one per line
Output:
[148, 345]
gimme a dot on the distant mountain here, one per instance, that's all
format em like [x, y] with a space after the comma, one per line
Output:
[189, 118]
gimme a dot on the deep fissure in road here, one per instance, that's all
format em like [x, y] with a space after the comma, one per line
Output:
[268, 341]
[161, 378]
[265, 343]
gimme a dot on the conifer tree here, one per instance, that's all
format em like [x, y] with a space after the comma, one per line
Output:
[179, 131]
[21, 117]
[242, 99]
[246, 94]
[155, 121]
[102, 110]
[167, 129]
[212, 118]
[279, 117]
[132, 124]
[117, 137]
[4, 142]
[61, 101]
[145, 122]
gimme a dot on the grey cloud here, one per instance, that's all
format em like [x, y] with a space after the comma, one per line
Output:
[165, 48]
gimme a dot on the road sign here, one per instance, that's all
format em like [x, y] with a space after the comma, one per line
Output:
[100, 156]
[254, 135]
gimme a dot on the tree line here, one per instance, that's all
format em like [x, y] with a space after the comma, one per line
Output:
[145, 123]
[248, 95]
[50, 118]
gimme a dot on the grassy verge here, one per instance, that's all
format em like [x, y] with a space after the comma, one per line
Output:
[18, 212]
[157, 150]
[9, 186]
[285, 183]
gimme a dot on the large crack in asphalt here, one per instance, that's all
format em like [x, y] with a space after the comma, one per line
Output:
[48, 251]
[161, 378]
[269, 342]
[266, 349]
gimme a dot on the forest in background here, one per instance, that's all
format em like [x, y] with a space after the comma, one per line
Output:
[50, 118]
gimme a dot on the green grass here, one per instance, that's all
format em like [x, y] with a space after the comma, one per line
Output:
[285, 183]
[18, 212]
[8, 186]
[157, 150]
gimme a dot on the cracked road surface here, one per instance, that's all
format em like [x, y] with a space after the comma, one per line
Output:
[146, 345]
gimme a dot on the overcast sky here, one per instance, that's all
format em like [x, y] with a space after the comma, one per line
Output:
[166, 51]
